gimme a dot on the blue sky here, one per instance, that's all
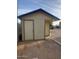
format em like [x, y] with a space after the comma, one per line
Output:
[51, 6]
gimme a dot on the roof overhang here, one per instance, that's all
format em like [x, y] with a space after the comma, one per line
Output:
[54, 17]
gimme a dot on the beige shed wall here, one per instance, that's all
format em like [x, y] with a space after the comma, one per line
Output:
[39, 23]
[39, 29]
[47, 30]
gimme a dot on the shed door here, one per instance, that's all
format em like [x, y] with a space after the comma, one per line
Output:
[28, 30]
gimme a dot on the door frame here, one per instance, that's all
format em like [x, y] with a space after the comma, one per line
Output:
[24, 27]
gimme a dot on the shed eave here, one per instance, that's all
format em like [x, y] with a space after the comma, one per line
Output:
[54, 17]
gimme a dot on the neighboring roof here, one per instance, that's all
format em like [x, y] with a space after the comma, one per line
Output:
[37, 11]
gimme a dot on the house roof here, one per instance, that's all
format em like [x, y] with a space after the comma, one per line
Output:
[37, 11]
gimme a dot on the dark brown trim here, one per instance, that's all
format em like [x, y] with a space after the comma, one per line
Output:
[24, 28]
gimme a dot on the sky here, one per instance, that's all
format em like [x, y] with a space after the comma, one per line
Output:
[51, 6]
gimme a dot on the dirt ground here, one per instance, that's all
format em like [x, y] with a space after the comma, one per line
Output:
[41, 49]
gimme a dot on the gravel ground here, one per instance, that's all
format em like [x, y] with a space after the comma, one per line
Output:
[43, 49]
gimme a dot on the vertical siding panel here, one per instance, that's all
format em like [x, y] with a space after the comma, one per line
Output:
[28, 30]
[47, 29]
[39, 29]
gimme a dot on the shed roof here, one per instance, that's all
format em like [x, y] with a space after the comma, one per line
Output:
[37, 11]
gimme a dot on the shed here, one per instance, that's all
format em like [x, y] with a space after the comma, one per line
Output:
[35, 24]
